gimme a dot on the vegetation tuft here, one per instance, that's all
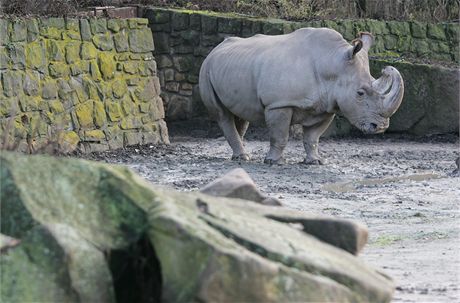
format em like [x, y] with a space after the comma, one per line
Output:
[422, 10]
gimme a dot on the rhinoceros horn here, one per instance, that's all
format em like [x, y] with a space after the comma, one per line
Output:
[391, 87]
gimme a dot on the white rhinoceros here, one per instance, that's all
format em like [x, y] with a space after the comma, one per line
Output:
[304, 77]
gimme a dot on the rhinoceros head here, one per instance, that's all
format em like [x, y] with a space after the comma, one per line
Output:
[366, 102]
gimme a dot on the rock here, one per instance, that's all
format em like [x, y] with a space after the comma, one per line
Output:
[238, 184]
[71, 215]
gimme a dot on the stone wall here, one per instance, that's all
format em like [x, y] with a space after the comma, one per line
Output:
[79, 82]
[184, 38]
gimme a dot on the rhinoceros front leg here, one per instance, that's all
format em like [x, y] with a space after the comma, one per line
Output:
[278, 122]
[311, 136]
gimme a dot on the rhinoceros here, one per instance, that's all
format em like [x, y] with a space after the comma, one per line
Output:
[305, 78]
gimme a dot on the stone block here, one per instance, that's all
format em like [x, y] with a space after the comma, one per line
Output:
[113, 25]
[98, 25]
[94, 70]
[121, 41]
[49, 89]
[141, 40]
[399, 28]
[195, 22]
[130, 122]
[56, 106]
[29, 104]
[273, 28]
[418, 29]
[420, 47]
[4, 58]
[18, 31]
[100, 119]
[17, 55]
[229, 25]
[54, 51]
[79, 68]
[76, 84]
[32, 83]
[132, 138]
[128, 106]
[4, 34]
[157, 16]
[453, 32]
[131, 67]
[172, 87]
[88, 51]
[161, 43]
[179, 108]
[84, 113]
[179, 21]
[94, 135]
[211, 40]
[58, 70]
[72, 52]
[103, 41]
[12, 83]
[119, 88]
[85, 30]
[33, 30]
[164, 61]
[147, 68]
[436, 31]
[106, 65]
[136, 23]
[35, 55]
[208, 24]
[113, 110]
[184, 63]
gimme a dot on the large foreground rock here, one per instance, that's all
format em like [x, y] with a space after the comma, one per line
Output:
[70, 215]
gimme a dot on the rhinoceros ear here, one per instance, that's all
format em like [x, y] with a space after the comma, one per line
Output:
[367, 39]
[357, 46]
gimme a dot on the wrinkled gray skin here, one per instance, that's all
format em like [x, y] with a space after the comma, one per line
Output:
[304, 77]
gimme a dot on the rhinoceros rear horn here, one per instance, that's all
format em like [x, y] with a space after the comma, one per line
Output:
[391, 87]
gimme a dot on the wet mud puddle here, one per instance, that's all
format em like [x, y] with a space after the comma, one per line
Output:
[349, 186]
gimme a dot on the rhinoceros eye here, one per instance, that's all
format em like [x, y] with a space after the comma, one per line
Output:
[360, 92]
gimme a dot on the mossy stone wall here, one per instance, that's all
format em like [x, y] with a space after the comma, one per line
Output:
[184, 38]
[90, 83]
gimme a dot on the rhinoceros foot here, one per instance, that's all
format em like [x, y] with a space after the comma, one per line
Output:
[242, 157]
[280, 161]
[314, 162]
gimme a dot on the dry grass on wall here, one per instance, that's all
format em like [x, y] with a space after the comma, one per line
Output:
[423, 10]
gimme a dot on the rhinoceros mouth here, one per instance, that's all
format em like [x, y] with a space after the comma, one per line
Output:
[373, 128]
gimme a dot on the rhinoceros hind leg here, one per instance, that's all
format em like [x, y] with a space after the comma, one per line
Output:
[311, 136]
[227, 124]
[278, 122]
[241, 126]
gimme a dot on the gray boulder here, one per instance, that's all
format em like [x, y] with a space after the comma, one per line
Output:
[238, 184]
[72, 216]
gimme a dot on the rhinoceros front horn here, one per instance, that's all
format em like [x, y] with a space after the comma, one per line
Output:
[391, 87]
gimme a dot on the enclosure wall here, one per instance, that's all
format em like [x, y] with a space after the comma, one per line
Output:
[87, 82]
[184, 38]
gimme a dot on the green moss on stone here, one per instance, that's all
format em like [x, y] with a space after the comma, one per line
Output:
[54, 51]
[94, 135]
[141, 40]
[121, 41]
[119, 88]
[113, 25]
[94, 70]
[99, 114]
[436, 31]
[103, 41]
[33, 30]
[106, 65]
[84, 114]
[58, 70]
[56, 106]
[35, 55]
[113, 110]
[72, 52]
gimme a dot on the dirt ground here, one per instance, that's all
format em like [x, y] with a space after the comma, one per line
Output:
[401, 187]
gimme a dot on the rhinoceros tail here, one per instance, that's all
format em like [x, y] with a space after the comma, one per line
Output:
[207, 92]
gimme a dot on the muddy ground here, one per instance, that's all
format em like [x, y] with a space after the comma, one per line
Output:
[401, 187]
